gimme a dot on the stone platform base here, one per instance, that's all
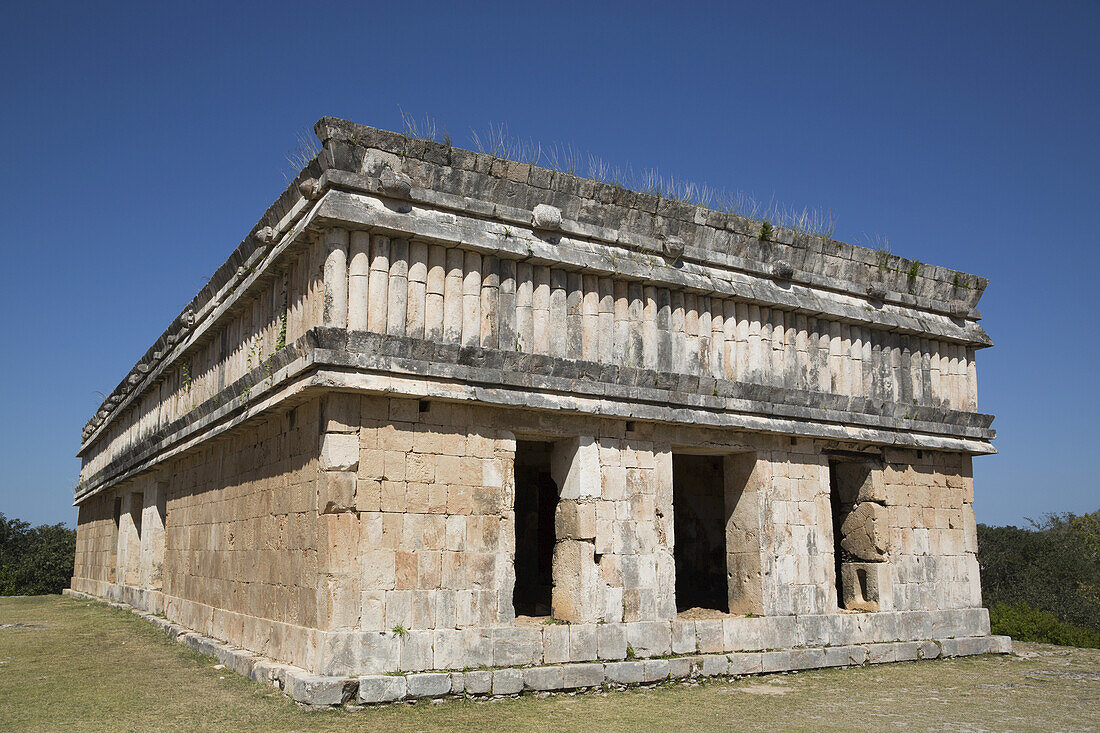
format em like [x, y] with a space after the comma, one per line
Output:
[322, 690]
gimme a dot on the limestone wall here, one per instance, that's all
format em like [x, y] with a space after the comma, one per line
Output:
[241, 342]
[365, 533]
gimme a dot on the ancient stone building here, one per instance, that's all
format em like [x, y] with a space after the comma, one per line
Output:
[441, 411]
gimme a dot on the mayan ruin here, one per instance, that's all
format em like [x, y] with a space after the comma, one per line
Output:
[447, 423]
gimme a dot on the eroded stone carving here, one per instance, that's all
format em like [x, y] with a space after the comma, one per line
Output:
[545, 216]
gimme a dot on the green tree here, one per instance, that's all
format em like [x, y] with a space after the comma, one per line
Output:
[1049, 572]
[35, 560]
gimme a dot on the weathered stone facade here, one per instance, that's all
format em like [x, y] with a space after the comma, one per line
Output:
[443, 411]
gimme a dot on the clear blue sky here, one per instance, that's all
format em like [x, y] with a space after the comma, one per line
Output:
[142, 141]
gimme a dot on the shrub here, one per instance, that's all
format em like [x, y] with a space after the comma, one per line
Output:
[1024, 623]
[35, 560]
[1052, 568]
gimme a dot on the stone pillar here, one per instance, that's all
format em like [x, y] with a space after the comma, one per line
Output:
[338, 598]
[358, 281]
[398, 298]
[335, 311]
[575, 468]
[744, 529]
[378, 289]
[153, 532]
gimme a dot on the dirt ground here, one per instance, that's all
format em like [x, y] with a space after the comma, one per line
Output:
[78, 665]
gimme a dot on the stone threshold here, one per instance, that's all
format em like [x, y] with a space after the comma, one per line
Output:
[327, 691]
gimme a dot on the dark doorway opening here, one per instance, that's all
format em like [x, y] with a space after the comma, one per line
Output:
[699, 509]
[536, 502]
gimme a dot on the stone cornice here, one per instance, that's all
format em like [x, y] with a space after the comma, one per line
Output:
[327, 358]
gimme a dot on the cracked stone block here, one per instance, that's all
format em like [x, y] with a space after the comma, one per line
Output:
[319, 690]
[381, 688]
[880, 653]
[929, 649]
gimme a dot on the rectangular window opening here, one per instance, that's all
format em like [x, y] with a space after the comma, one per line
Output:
[700, 518]
[536, 503]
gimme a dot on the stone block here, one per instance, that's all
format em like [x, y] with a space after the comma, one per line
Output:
[714, 665]
[966, 646]
[543, 678]
[478, 682]
[319, 690]
[709, 636]
[575, 520]
[1000, 644]
[574, 593]
[341, 413]
[683, 637]
[775, 661]
[624, 673]
[682, 667]
[575, 467]
[611, 641]
[458, 683]
[381, 688]
[339, 452]
[649, 638]
[837, 656]
[582, 642]
[880, 653]
[929, 649]
[807, 658]
[655, 670]
[907, 651]
[516, 646]
[555, 644]
[745, 663]
[507, 681]
[428, 684]
[582, 675]
[416, 650]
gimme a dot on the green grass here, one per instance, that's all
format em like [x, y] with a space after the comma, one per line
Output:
[90, 667]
